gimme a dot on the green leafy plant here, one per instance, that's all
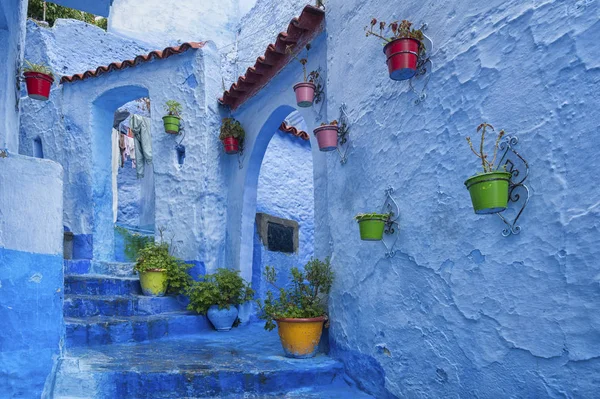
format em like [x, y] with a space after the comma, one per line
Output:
[362, 216]
[173, 108]
[225, 288]
[488, 166]
[303, 298]
[157, 256]
[39, 68]
[134, 243]
[45, 11]
[402, 30]
[232, 128]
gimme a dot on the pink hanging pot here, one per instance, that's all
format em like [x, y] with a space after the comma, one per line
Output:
[305, 94]
[327, 137]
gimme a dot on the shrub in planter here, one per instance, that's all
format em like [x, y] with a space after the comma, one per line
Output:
[489, 190]
[372, 225]
[38, 79]
[298, 309]
[305, 90]
[402, 47]
[327, 136]
[217, 295]
[134, 243]
[161, 272]
[232, 135]
[172, 120]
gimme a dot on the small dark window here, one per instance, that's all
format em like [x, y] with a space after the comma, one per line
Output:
[280, 238]
[38, 149]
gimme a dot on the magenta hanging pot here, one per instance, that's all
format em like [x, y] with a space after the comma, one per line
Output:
[305, 94]
[327, 137]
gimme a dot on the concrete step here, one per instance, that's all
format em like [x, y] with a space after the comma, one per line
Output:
[102, 330]
[86, 266]
[90, 284]
[245, 362]
[134, 305]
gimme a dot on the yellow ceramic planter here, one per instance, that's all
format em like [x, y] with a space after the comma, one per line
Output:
[300, 337]
[154, 282]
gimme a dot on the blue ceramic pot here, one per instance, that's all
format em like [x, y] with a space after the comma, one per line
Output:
[222, 319]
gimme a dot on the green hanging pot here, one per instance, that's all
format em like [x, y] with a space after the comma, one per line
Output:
[371, 226]
[172, 124]
[489, 191]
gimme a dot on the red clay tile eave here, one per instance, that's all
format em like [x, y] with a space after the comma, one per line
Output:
[300, 31]
[292, 130]
[115, 66]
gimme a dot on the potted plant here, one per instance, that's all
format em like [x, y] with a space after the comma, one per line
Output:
[217, 295]
[305, 90]
[298, 309]
[38, 79]
[371, 225]
[327, 136]
[161, 272]
[232, 135]
[402, 47]
[488, 189]
[172, 120]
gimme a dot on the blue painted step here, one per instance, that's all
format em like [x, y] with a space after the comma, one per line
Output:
[102, 330]
[134, 305]
[89, 284]
[86, 266]
[245, 361]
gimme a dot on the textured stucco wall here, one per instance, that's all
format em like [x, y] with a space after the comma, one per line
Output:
[31, 273]
[461, 311]
[285, 188]
[12, 37]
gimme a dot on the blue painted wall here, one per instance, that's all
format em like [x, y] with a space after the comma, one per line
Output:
[31, 274]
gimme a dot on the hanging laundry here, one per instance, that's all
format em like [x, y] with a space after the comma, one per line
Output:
[140, 126]
[122, 148]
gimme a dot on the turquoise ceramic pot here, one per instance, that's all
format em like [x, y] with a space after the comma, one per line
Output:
[222, 319]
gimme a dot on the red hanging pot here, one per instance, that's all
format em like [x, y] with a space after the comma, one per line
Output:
[38, 85]
[232, 145]
[327, 137]
[402, 58]
[305, 94]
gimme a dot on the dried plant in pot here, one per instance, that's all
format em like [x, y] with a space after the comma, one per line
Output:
[218, 295]
[38, 79]
[299, 308]
[305, 90]
[232, 135]
[403, 46]
[372, 225]
[327, 136]
[488, 189]
[172, 120]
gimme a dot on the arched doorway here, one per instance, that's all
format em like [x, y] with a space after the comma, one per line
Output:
[103, 117]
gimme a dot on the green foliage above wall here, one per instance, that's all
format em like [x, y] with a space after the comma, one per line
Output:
[35, 10]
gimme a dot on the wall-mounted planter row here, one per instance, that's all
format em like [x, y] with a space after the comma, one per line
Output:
[38, 79]
[327, 136]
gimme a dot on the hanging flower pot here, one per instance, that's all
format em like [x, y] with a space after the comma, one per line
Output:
[488, 190]
[172, 120]
[232, 135]
[402, 56]
[403, 47]
[372, 225]
[305, 94]
[327, 136]
[38, 79]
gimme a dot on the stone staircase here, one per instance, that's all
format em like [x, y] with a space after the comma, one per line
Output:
[120, 344]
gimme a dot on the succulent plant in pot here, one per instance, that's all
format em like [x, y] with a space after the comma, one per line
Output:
[218, 295]
[172, 120]
[299, 308]
[232, 135]
[488, 189]
[38, 79]
[305, 90]
[327, 136]
[403, 46]
[372, 225]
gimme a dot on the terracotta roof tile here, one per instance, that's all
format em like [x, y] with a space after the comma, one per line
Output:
[292, 130]
[300, 31]
[114, 66]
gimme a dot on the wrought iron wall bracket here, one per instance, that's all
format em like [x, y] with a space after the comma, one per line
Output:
[392, 226]
[343, 134]
[518, 192]
[424, 65]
